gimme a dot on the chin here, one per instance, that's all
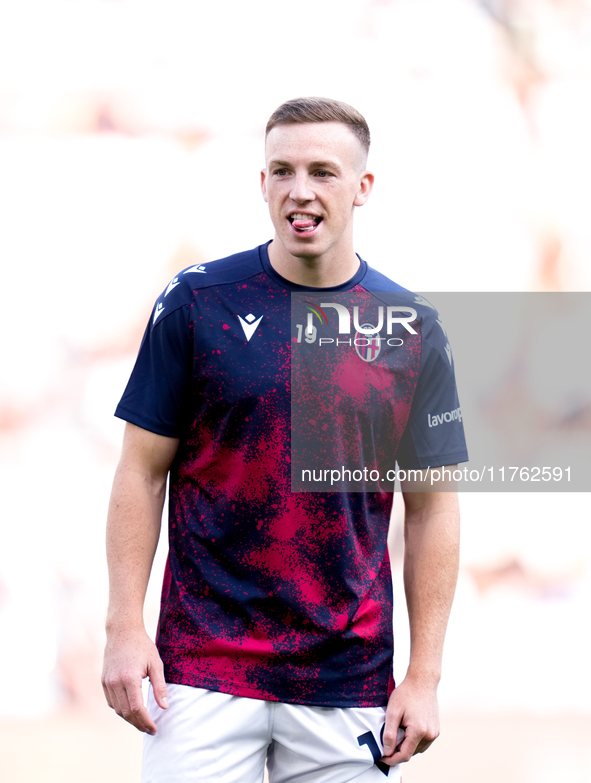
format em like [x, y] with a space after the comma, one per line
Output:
[304, 249]
[306, 254]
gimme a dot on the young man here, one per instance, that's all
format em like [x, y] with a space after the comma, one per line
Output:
[275, 634]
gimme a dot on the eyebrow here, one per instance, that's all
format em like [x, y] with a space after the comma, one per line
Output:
[317, 164]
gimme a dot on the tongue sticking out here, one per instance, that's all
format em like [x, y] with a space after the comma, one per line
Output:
[304, 224]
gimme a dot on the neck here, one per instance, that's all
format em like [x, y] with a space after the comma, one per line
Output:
[312, 272]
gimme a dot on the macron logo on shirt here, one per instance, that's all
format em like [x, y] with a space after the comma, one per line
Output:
[248, 326]
[159, 308]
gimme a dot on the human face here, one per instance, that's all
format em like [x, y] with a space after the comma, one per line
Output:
[315, 175]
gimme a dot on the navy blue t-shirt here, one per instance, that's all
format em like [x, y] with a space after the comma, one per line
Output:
[269, 593]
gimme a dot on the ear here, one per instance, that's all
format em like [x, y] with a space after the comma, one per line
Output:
[264, 183]
[365, 186]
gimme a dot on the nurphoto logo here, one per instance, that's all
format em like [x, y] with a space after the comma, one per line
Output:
[367, 341]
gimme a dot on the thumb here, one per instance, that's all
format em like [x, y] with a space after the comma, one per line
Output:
[388, 742]
[393, 738]
[156, 675]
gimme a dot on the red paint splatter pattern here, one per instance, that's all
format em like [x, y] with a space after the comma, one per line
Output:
[268, 593]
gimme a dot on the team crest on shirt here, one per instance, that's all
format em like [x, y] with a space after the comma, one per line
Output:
[368, 346]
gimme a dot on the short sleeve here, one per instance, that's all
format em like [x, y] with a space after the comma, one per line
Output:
[155, 396]
[434, 435]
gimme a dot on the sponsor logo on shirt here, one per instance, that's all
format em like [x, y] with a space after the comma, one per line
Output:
[444, 418]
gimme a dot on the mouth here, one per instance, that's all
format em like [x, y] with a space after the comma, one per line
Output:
[304, 223]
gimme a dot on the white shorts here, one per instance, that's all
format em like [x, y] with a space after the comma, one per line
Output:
[210, 737]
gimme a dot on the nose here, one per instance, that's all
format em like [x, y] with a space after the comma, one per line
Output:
[301, 190]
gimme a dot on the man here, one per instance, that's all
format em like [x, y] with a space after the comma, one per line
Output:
[274, 641]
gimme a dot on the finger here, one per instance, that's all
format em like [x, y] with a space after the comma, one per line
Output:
[404, 750]
[115, 704]
[111, 696]
[400, 735]
[135, 710]
[156, 675]
[424, 744]
[105, 682]
[138, 715]
[393, 734]
[107, 695]
[128, 702]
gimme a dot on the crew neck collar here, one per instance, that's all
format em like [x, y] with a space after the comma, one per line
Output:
[285, 283]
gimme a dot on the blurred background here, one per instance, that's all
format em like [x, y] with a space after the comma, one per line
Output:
[131, 140]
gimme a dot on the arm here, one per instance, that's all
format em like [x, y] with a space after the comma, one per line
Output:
[430, 572]
[133, 529]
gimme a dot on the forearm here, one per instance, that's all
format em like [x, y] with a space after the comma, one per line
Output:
[430, 574]
[133, 529]
[431, 552]
[133, 524]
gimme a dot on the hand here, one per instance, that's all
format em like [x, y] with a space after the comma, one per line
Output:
[129, 657]
[412, 706]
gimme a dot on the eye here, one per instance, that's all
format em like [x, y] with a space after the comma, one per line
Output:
[322, 174]
[280, 172]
